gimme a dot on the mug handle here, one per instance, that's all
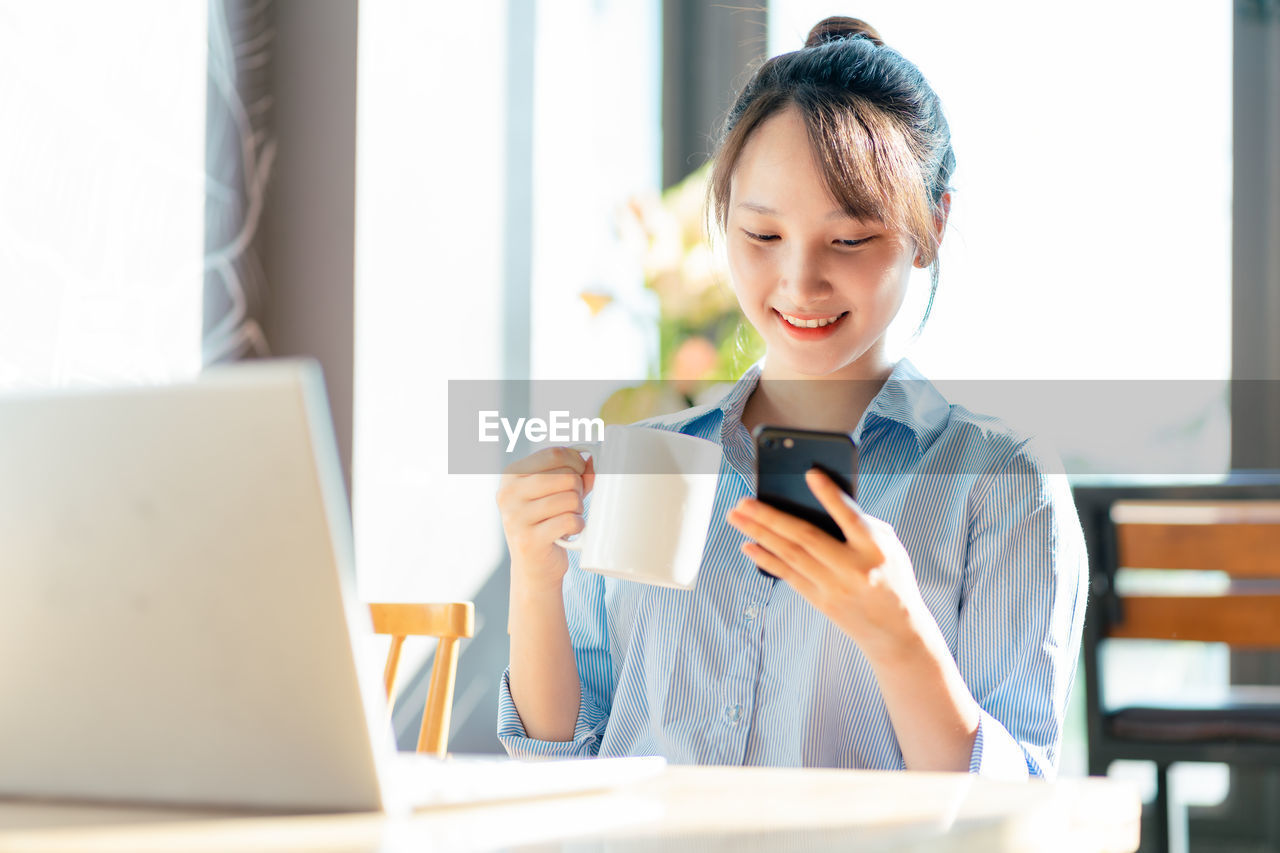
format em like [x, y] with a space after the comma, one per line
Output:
[593, 448]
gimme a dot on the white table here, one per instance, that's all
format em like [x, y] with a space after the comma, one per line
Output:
[686, 808]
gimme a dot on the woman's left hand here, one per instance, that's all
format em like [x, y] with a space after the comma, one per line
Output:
[865, 585]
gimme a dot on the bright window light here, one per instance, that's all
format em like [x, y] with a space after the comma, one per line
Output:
[1090, 235]
[429, 238]
[103, 184]
[430, 241]
[597, 146]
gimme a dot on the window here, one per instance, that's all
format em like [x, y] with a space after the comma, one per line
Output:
[597, 144]
[433, 252]
[102, 213]
[429, 262]
[1089, 156]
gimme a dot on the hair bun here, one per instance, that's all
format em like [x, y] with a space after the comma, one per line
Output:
[837, 27]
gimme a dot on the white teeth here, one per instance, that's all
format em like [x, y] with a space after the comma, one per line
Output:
[810, 324]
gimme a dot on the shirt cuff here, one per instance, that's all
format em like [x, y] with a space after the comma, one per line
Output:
[996, 755]
[586, 733]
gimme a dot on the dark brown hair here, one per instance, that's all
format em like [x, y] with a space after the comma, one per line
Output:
[875, 126]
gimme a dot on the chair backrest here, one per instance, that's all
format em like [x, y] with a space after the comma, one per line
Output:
[447, 622]
[1238, 538]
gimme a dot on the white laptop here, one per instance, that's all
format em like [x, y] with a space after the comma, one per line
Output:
[178, 619]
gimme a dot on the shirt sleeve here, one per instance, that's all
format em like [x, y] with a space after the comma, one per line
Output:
[588, 632]
[1022, 612]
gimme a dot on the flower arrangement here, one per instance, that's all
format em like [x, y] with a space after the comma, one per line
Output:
[703, 340]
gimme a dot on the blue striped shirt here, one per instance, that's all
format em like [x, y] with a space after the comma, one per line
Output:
[742, 670]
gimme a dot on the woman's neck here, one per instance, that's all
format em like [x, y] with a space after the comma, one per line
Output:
[834, 402]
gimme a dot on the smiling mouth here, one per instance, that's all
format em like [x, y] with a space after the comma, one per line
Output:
[811, 324]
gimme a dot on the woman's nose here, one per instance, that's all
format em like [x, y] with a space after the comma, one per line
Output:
[804, 276]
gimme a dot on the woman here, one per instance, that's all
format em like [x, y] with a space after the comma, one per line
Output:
[943, 633]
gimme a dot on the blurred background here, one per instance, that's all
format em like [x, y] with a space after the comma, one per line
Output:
[422, 192]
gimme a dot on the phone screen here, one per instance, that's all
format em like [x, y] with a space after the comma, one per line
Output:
[784, 454]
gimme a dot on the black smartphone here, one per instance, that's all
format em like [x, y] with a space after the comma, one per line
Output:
[783, 455]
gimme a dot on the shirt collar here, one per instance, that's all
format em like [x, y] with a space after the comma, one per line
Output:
[906, 398]
[734, 403]
[730, 405]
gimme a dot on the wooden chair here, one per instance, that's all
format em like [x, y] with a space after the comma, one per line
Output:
[1232, 529]
[449, 623]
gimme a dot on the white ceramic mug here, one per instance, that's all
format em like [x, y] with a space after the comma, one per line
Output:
[650, 505]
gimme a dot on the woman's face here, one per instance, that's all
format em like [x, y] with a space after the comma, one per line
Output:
[793, 252]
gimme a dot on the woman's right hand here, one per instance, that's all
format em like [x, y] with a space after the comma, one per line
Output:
[540, 498]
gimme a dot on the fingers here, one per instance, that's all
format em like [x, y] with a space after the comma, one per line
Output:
[806, 548]
[559, 526]
[533, 486]
[784, 536]
[781, 570]
[531, 539]
[842, 509]
[545, 459]
[532, 525]
[541, 500]
[527, 499]
[536, 511]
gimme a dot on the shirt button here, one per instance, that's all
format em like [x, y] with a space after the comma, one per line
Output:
[751, 612]
[733, 713]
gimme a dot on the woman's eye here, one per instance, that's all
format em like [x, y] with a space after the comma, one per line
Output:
[759, 238]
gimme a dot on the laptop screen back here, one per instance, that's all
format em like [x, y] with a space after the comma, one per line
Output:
[178, 593]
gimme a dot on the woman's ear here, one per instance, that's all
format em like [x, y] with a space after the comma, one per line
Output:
[939, 225]
[940, 216]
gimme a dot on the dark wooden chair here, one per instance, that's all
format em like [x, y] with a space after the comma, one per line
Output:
[1233, 529]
